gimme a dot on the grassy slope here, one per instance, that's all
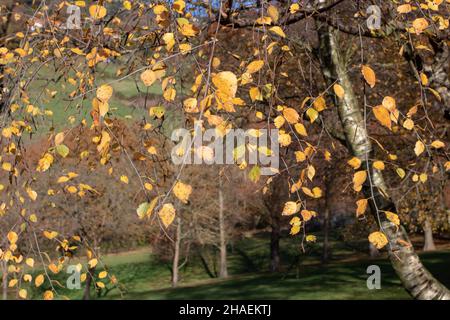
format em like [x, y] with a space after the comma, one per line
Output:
[146, 278]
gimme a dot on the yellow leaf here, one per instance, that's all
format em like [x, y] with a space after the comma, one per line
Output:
[308, 215]
[420, 24]
[97, 12]
[30, 262]
[23, 293]
[92, 263]
[369, 75]
[378, 239]
[438, 144]
[100, 284]
[383, 116]
[182, 191]
[272, 11]
[354, 162]
[254, 66]
[312, 114]
[226, 82]
[290, 208]
[339, 91]
[148, 77]
[291, 115]
[379, 165]
[358, 179]
[389, 103]
[102, 274]
[45, 162]
[104, 92]
[39, 280]
[255, 94]
[311, 238]
[278, 31]
[361, 207]
[419, 148]
[401, 173]
[319, 104]
[167, 214]
[48, 295]
[279, 121]
[408, 124]
[404, 8]
[301, 130]
[50, 234]
[124, 179]
[59, 138]
[12, 237]
[392, 217]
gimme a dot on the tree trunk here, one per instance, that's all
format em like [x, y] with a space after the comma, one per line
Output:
[415, 277]
[223, 270]
[428, 236]
[4, 281]
[275, 241]
[176, 254]
[326, 222]
[373, 251]
[87, 287]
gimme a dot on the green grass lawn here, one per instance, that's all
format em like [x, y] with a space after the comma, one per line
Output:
[142, 276]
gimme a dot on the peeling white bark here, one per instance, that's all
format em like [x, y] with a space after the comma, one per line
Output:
[416, 279]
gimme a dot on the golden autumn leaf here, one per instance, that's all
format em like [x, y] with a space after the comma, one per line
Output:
[419, 25]
[124, 179]
[92, 263]
[438, 144]
[23, 293]
[358, 180]
[408, 124]
[389, 103]
[378, 165]
[48, 295]
[383, 116]
[308, 215]
[97, 12]
[45, 162]
[104, 92]
[226, 82]
[182, 191]
[392, 217]
[290, 208]
[278, 31]
[50, 234]
[167, 214]
[419, 148]
[190, 105]
[291, 115]
[312, 114]
[354, 162]
[404, 8]
[103, 274]
[339, 91]
[254, 66]
[148, 77]
[369, 75]
[378, 239]
[39, 280]
[301, 130]
[12, 237]
[272, 11]
[361, 207]
[255, 94]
